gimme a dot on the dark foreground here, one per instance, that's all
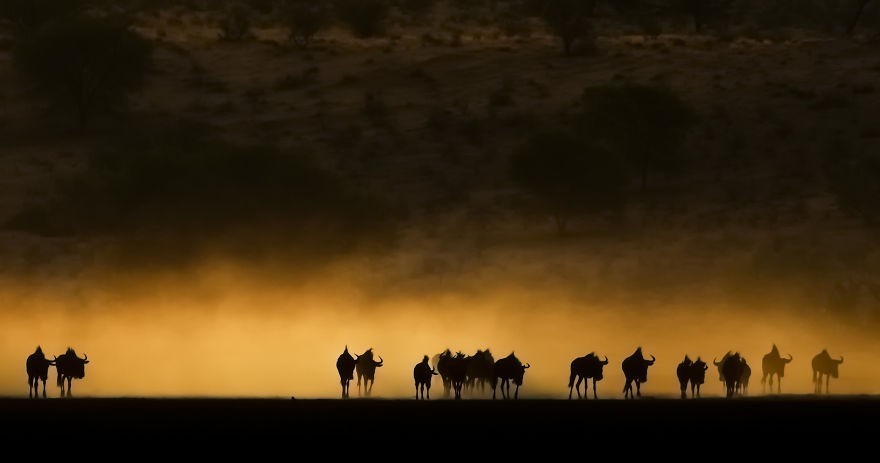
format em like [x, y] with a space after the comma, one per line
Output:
[313, 421]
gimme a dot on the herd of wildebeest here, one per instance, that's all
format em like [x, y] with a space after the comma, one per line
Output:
[459, 371]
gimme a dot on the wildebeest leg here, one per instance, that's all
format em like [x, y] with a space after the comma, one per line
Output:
[371, 382]
[779, 385]
[827, 380]
[44, 389]
[771, 384]
[764, 381]
[62, 386]
[69, 386]
[595, 396]
[516, 393]
[428, 391]
[638, 388]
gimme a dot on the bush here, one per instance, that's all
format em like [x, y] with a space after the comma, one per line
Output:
[570, 20]
[236, 24]
[27, 16]
[365, 18]
[568, 175]
[645, 125]
[305, 18]
[85, 64]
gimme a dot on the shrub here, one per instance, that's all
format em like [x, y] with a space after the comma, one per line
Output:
[85, 64]
[305, 18]
[365, 18]
[236, 24]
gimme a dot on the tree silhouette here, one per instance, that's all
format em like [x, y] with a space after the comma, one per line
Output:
[84, 63]
[570, 20]
[27, 16]
[365, 18]
[305, 18]
[567, 175]
[644, 124]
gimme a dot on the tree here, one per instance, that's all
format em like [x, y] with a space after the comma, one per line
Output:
[417, 8]
[305, 18]
[645, 125]
[861, 5]
[570, 20]
[236, 25]
[568, 175]
[84, 63]
[365, 18]
[27, 16]
[700, 12]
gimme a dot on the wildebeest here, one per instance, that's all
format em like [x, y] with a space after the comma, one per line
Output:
[731, 367]
[507, 369]
[584, 368]
[365, 367]
[68, 366]
[774, 364]
[635, 368]
[442, 365]
[479, 371]
[423, 374]
[37, 366]
[744, 376]
[683, 371]
[345, 366]
[458, 366]
[720, 365]
[824, 365]
[698, 376]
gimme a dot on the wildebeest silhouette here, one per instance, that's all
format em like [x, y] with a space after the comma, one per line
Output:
[442, 364]
[345, 366]
[697, 376]
[635, 369]
[37, 366]
[68, 366]
[458, 366]
[508, 369]
[423, 374]
[720, 365]
[584, 368]
[683, 371]
[824, 365]
[365, 367]
[773, 364]
[744, 376]
[479, 372]
[731, 367]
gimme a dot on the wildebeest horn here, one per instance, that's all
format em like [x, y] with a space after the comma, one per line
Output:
[653, 359]
[841, 360]
[715, 361]
[527, 366]
[606, 361]
[434, 371]
[380, 361]
[790, 358]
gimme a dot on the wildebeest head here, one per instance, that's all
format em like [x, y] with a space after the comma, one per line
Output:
[720, 364]
[519, 373]
[599, 365]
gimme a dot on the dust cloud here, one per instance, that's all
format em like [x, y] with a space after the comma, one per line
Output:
[226, 332]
